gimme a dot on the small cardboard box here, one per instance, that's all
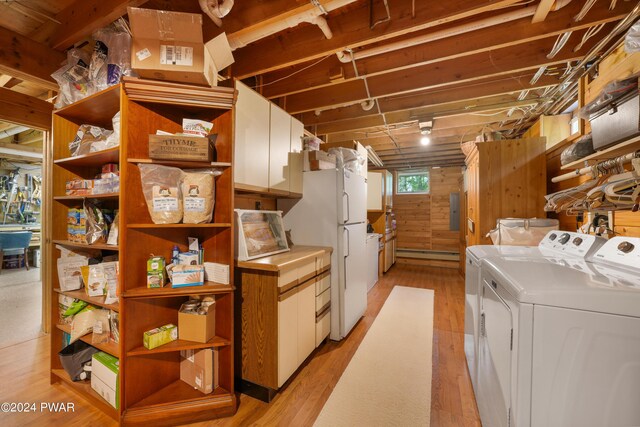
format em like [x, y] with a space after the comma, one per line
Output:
[160, 336]
[169, 46]
[199, 369]
[104, 377]
[197, 327]
[192, 275]
[177, 147]
[156, 276]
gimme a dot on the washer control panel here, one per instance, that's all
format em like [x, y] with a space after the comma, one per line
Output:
[571, 244]
[620, 250]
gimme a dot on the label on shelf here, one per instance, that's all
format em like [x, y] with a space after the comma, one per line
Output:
[194, 204]
[165, 204]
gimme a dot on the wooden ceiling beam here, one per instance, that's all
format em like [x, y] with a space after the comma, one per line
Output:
[423, 156]
[83, 17]
[25, 110]
[483, 40]
[8, 82]
[351, 30]
[27, 60]
[502, 62]
[449, 100]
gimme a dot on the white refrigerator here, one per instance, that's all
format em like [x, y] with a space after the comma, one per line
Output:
[333, 212]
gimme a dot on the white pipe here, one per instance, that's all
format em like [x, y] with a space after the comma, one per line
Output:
[309, 13]
[322, 24]
[12, 131]
[348, 56]
[215, 10]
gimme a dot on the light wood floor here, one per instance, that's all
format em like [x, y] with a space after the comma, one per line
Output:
[24, 368]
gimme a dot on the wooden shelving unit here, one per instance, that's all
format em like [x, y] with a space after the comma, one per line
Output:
[620, 149]
[150, 387]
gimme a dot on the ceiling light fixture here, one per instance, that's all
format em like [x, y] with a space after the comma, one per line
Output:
[425, 140]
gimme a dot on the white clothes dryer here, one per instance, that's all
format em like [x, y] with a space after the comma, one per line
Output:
[558, 345]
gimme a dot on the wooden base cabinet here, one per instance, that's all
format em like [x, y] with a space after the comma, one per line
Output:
[284, 302]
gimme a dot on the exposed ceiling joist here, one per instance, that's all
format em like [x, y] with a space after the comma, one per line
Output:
[83, 17]
[8, 82]
[25, 110]
[502, 62]
[307, 43]
[457, 46]
[27, 60]
[17, 151]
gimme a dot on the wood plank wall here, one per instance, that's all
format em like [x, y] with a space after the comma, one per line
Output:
[422, 220]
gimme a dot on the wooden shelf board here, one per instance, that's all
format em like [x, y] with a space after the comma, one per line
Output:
[179, 391]
[182, 164]
[265, 192]
[96, 109]
[99, 158]
[85, 246]
[179, 345]
[111, 347]
[82, 295]
[207, 288]
[92, 196]
[83, 388]
[207, 225]
[620, 149]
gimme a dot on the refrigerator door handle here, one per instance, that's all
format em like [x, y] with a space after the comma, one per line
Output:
[344, 193]
[344, 259]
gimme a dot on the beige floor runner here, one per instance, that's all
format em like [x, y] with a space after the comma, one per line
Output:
[388, 381]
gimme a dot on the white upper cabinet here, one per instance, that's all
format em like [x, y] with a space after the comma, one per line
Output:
[375, 191]
[251, 160]
[279, 146]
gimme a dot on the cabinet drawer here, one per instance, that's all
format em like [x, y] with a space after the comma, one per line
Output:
[323, 283]
[322, 300]
[307, 270]
[323, 262]
[323, 327]
[288, 277]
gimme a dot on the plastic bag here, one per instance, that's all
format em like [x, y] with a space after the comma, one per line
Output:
[199, 195]
[113, 140]
[96, 225]
[82, 323]
[101, 329]
[86, 137]
[609, 95]
[111, 57]
[632, 39]
[349, 159]
[161, 189]
[582, 148]
[74, 356]
[73, 78]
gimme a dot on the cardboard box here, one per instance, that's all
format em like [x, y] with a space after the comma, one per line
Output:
[197, 327]
[104, 377]
[199, 369]
[169, 46]
[177, 147]
[156, 275]
[318, 160]
[191, 275]
[160, 336]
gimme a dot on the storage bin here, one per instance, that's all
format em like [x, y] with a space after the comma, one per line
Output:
[74, 356]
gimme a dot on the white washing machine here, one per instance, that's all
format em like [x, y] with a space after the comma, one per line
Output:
[560, 346]
[554, 244]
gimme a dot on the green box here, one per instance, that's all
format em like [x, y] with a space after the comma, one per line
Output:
[156, 277]
[160, 336]
[104, 377]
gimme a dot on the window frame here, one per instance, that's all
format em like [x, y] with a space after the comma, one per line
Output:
[427, 173]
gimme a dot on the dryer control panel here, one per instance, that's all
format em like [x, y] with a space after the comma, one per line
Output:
[620, 250]
[571, 244]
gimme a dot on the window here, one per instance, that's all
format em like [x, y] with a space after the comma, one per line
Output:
[413, 183]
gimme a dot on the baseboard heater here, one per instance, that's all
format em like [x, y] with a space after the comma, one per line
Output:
[427, 254]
